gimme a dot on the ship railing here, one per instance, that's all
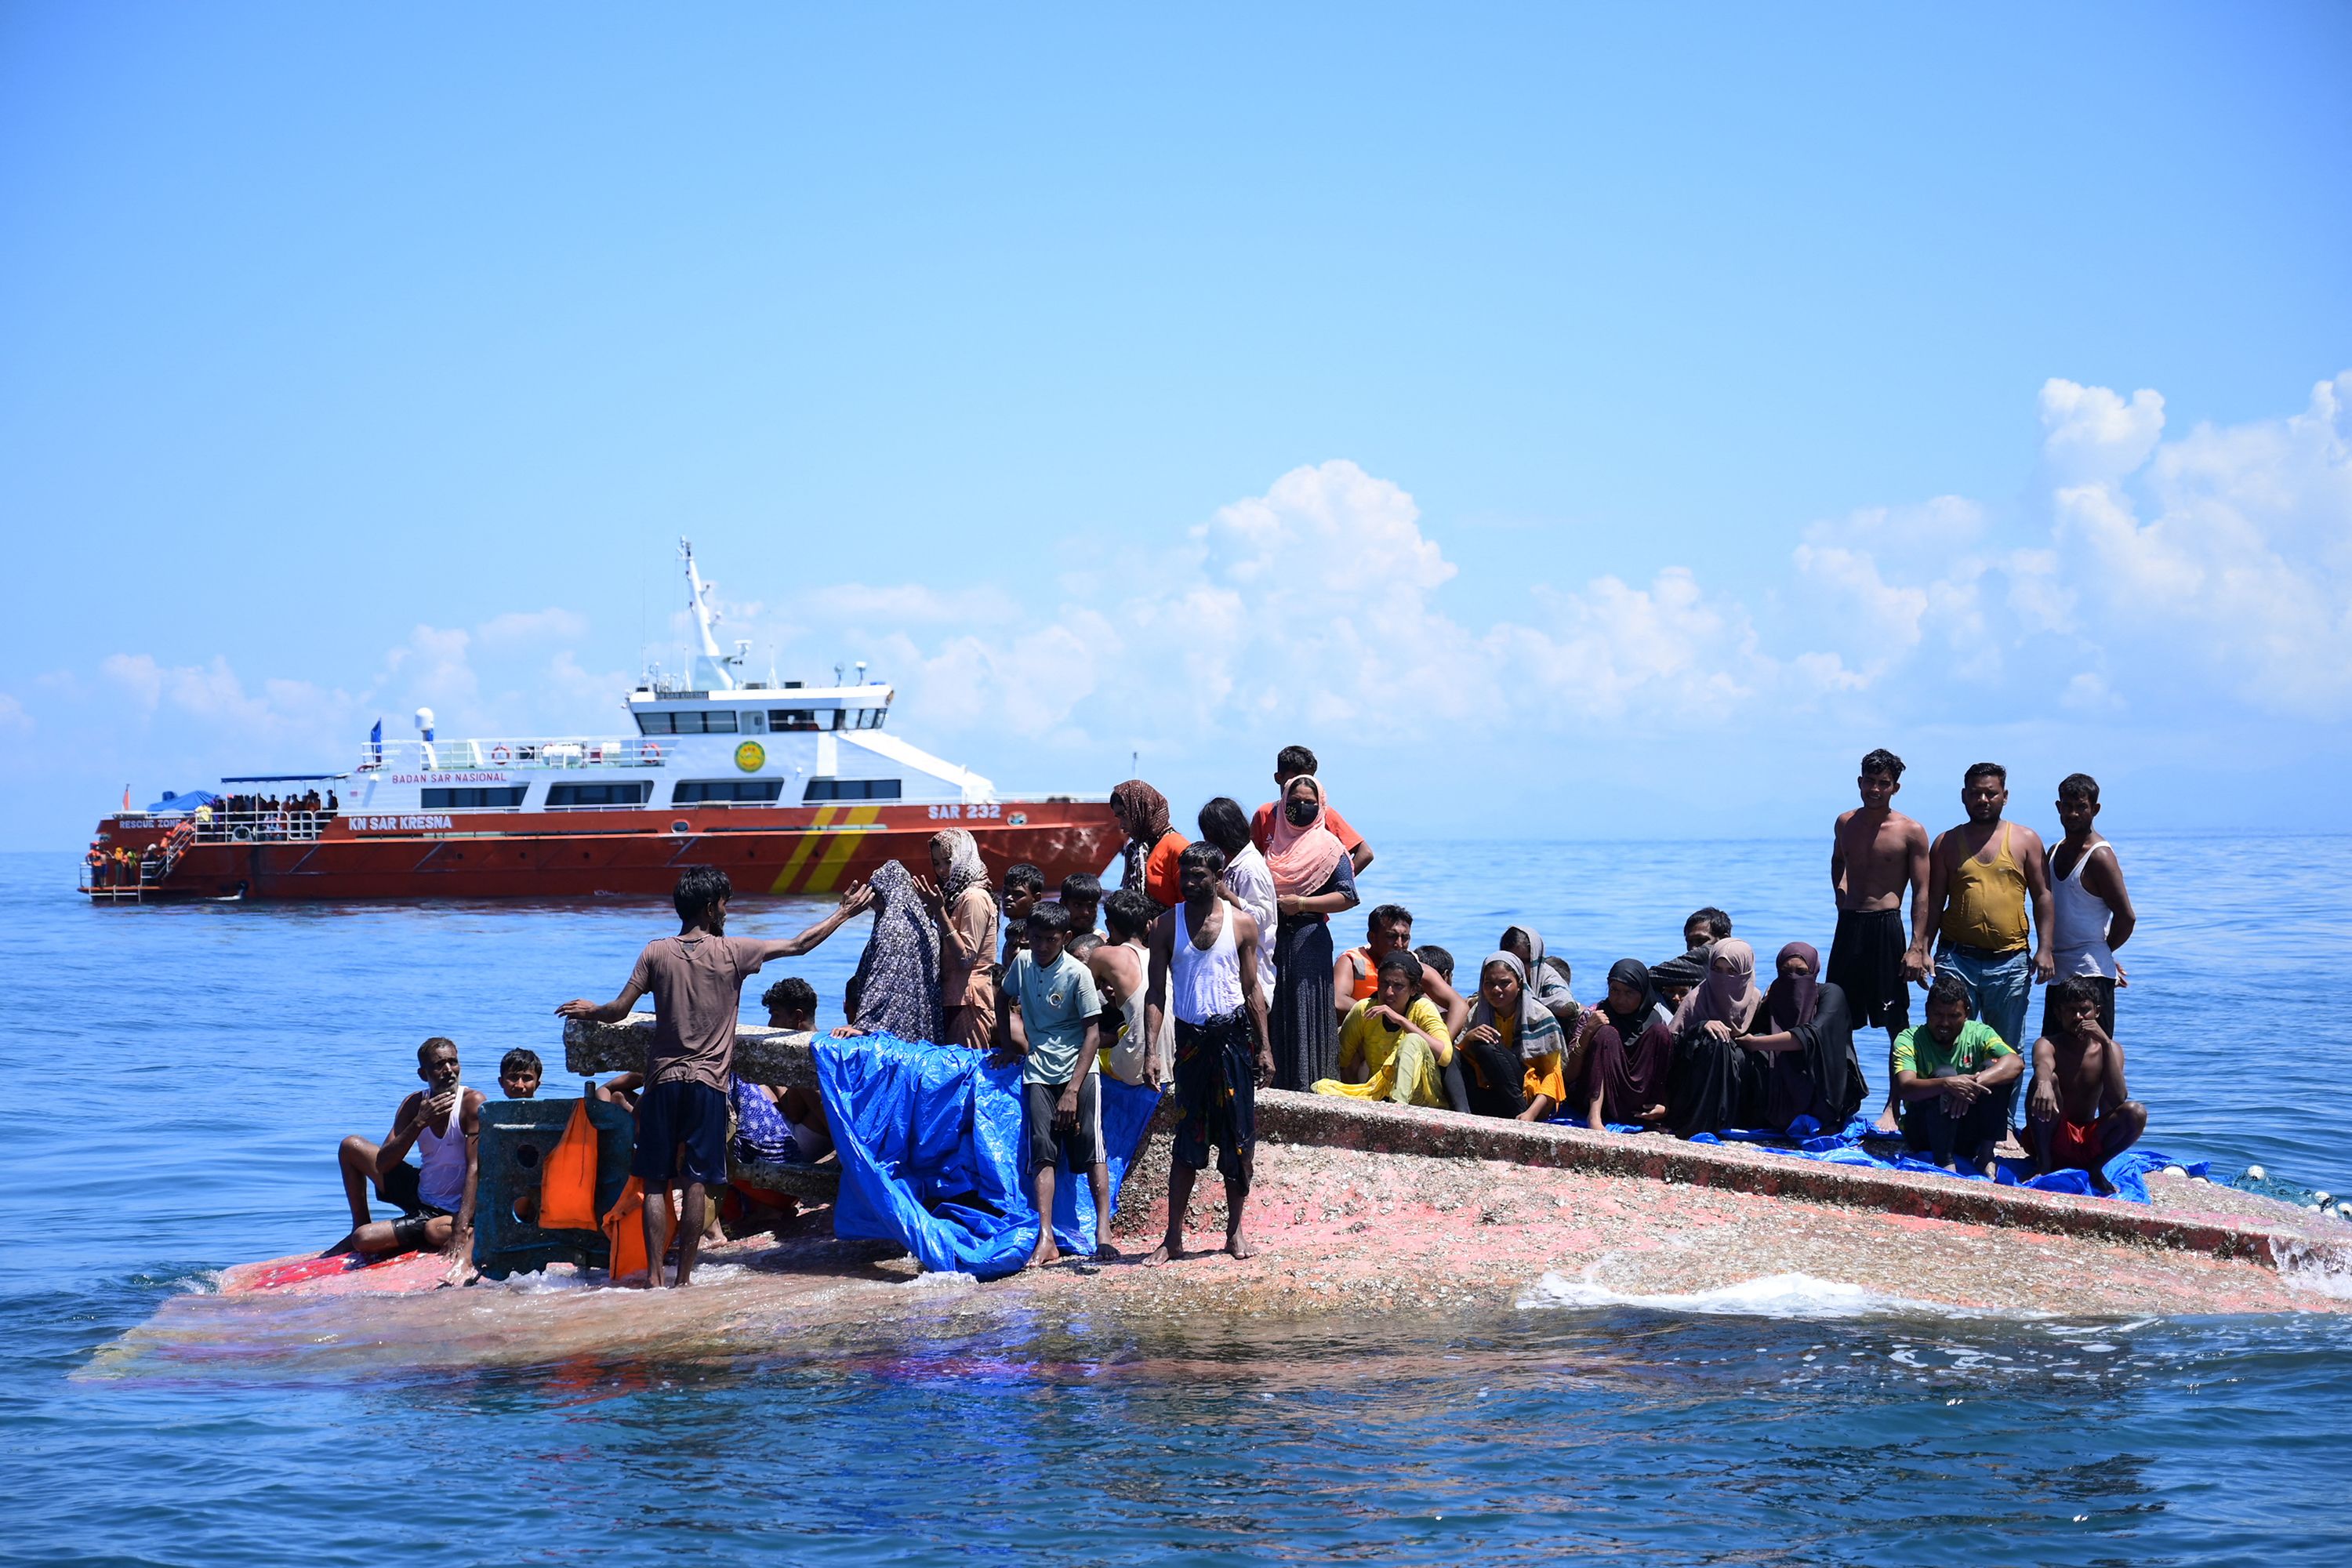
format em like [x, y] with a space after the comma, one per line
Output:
[285, 825]
[515, 752]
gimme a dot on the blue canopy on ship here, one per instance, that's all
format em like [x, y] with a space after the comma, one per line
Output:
[188, 802]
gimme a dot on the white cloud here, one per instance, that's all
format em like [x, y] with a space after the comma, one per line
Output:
[12, 715]
[2093, 435]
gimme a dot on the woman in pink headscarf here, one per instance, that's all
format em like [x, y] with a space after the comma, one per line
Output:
[1714, 1083]
[1313, 880]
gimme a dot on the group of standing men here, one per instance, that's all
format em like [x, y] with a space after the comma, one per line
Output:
[1992, 912]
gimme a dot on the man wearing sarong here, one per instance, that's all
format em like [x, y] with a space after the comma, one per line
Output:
[1205, 967]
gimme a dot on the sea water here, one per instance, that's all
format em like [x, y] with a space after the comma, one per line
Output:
[179, 1077]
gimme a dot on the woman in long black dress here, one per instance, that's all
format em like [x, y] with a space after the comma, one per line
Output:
[1313, 880]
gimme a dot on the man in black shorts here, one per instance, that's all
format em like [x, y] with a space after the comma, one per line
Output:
[1217, 1073]
[1875, 853]
[443, 1123]
[696, 980]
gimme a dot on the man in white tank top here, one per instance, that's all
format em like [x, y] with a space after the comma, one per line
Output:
[1205, 970]
[2091, 913]
[442, 1122]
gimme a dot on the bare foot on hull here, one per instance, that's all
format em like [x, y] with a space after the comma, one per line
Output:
[1166, 1252]
[1886, 1122]
[1239, 1245]
[1047, 1253]
[1104, 1252]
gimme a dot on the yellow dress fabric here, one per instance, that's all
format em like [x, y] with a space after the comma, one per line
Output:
[1404, 1068]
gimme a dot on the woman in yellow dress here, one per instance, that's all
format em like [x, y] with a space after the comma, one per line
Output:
[1397, 1038]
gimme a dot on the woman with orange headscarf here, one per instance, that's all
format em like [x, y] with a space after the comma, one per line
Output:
[1313, 880]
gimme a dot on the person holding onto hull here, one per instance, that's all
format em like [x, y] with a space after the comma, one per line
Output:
[518, 1074]
[1052, 1020]
[2079, 1112]
[1394, 1045]
[1082, 894]
[443, 1123]
[1954, 1075]
[1120, 967]
[1296, 763]
[1204, 969]
[696, 979]
[1512, 1048]
[1313, 880]
[1152, 845]
[2092, 913]
[1705, 926]
[1876, 853]
[957, 896]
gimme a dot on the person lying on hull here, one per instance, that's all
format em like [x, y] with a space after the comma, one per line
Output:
[443, 1123]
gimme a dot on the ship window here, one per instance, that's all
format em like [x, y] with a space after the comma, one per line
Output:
[655, 724]
[792, 719]
[475, 798]
[852, 789]
[840, 719]
[634, 794]
[709, 792]
[754, 722]
[714, 721]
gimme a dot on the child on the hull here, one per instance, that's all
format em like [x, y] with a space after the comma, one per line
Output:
[2079, 1112]
[443, 1123]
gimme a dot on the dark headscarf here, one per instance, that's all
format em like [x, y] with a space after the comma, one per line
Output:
[1145, 812]
[1790, 1001]
[1682, 969]
[899, 975]
[1632, 973]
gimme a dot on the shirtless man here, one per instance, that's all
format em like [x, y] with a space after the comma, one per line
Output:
[1875, 853]
[2080, 1113]
[1981, 878]
[1118, 967]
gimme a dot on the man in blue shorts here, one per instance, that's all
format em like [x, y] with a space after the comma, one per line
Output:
[696, 979]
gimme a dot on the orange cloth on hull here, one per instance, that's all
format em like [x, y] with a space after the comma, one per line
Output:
[567, 1183]
[624, 1228]
[1160, 872]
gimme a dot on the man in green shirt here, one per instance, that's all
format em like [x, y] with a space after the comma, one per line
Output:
[1954, 1077]
[1050, 1026]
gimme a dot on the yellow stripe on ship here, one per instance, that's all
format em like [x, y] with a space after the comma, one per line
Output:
[837, 853]
[783, 882]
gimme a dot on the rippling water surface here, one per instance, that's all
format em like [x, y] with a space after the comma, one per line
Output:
[180, 1076]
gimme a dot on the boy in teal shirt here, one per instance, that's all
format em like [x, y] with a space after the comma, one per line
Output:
[1050, 1025]
[1953, 1079]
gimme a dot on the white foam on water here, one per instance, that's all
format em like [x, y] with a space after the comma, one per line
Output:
[946, 1279]
[2322, 1267]
[1772, 1295]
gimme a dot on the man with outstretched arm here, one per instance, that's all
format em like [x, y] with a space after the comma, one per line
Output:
[1204, 966]
[696, 979]
[1877, 854]
[1982, 877]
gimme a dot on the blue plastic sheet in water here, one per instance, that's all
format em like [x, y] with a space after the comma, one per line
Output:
[930, 1140]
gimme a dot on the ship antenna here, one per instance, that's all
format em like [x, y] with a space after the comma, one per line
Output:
[712, 664]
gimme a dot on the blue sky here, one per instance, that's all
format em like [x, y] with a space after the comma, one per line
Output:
[1618, 421]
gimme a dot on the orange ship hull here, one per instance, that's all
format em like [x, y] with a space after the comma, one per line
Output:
[780, 851]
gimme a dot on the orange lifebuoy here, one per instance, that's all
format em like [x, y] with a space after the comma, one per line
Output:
[498, 754]
[653, 750]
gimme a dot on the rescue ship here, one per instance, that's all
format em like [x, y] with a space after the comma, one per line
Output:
[791, 788]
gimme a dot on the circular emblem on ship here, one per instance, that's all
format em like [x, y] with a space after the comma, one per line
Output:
[751, 756]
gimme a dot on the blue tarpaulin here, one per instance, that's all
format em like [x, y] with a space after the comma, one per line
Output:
[188, 802]
[2128, 1170]
[929, 1142]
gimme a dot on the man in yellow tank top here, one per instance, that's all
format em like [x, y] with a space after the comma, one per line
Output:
[1983, 877]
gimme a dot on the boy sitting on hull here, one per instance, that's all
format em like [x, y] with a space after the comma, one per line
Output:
[442, 1122]
[2079, 1114]
[1954, 1077]
[1054, 1033]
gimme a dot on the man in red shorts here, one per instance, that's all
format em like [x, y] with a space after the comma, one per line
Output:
[2079, 1112]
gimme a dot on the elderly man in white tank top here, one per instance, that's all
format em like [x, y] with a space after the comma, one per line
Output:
[443, 1123]
[1205, 970]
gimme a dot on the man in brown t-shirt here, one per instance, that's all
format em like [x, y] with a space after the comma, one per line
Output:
[696, 979]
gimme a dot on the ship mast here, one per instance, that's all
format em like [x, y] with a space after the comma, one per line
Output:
[710, 665]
